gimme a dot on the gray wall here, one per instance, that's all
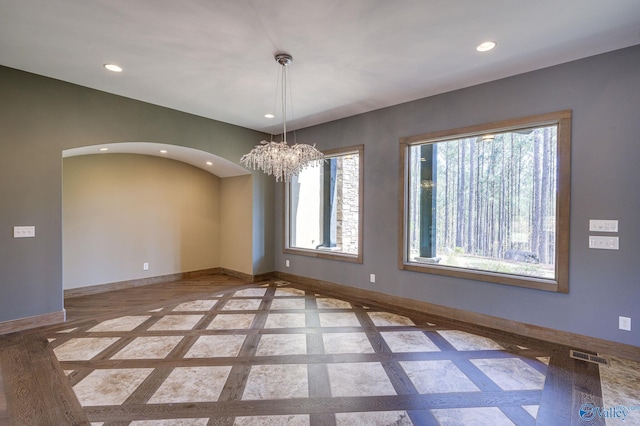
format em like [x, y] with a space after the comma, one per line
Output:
[41, 117]
[604, 94]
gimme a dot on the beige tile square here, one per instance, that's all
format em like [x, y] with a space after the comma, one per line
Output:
[148, 347]
[395, 418]
[409, 341]
[176, 322]
[282, 344]
[298, 303]
[285, 320]
[463, 341]
[109, 387]
[286, 291]
[83, 348]
[359, 379]
[511, 373]
[231, 322]
[216, 346]
[544, 359]
[440, 376]
[620, 386]
[277, 382]
[330, 303]
[242, 305]
[339, 319]
[480, 416]
[385, 319]
[346, 343]
[192, 384]
[170, 422]
[196, 305]
[532, 409]
[250, 292]
[289, 420]
[126, 323]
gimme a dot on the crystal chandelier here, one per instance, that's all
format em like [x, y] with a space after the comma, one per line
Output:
[278, 158]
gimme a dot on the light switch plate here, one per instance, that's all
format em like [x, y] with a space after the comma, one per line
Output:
[603, 225]
[604, 243]
[24, 232]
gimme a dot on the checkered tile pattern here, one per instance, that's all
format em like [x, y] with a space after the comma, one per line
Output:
[275, 354]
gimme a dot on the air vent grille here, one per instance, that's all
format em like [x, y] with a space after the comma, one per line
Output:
[588, 357]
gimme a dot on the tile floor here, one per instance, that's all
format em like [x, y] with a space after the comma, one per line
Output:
[275, 355]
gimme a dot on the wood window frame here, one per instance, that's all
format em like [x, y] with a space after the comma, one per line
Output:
[561, 282]
[340, 256]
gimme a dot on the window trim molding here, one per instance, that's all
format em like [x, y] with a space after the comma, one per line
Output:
[344, 257]
[561, 283]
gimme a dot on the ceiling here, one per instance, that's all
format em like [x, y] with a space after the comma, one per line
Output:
[214, 58]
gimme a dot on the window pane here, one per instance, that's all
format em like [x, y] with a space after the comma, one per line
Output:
[485, 202]
[324, 206]
[306, 208]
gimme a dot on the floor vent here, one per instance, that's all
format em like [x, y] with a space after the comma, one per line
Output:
[588, 357]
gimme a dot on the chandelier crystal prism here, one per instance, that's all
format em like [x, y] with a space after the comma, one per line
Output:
[278, 158]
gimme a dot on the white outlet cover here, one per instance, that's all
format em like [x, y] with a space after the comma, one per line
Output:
[624, 323]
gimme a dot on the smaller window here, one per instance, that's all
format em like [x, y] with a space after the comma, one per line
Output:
[323, 208]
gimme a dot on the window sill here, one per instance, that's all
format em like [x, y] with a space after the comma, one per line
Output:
[486, 276]
[325, 253]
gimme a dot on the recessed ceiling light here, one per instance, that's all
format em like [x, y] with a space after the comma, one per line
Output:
[163, 151]
[269, 116]
[113, 67]
[209, 163]
[104, 149]
[486, 46]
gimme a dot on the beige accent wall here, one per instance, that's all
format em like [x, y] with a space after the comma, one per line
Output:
[236, 231]
[122, 210]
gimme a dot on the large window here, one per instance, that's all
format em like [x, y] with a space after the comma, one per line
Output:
[489, 202]
[323, 206]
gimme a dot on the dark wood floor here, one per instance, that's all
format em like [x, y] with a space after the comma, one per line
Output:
[34, 389]
[145, 297]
